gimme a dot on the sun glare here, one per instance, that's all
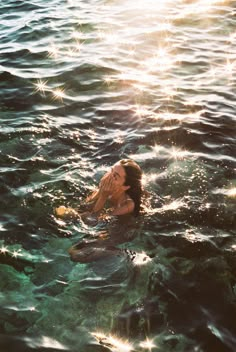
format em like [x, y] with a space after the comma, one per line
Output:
[3, 250]
[41, 86]
[16, 254]
[58, 94]
[136, 76]
[148, 344]
[53, 51]
[175, 205]
[177, 153]
[161, 61]
[141, 259]
[112, 342]
[141, 111]
[231, 193]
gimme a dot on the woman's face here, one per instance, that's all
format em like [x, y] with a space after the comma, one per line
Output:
[118, 177]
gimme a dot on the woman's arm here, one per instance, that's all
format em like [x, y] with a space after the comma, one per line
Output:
[100, 202]
[95, 202]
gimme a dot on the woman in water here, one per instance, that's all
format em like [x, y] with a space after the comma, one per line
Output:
[121, 190]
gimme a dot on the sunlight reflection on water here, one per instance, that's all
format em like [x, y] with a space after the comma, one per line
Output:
[85, 83]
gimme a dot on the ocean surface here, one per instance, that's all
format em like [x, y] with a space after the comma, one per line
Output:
[84, 83]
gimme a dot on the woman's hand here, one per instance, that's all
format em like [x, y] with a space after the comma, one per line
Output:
[106, 189]
[106, 185]
[66, 213]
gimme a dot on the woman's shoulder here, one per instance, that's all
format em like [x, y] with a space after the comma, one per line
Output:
[128, 203]
[126, 200]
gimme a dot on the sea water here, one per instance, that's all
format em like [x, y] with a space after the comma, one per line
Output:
[84, 84]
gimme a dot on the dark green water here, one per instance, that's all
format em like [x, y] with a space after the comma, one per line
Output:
[84, 84]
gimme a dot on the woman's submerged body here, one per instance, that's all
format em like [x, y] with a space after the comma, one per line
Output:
[119, 230]
[121, 190]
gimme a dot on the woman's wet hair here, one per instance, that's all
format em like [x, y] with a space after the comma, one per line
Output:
[134, 180]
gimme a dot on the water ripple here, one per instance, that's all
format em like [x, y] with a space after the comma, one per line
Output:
[84, 84]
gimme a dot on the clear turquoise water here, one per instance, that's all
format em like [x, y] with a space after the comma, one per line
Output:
[84, 84]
